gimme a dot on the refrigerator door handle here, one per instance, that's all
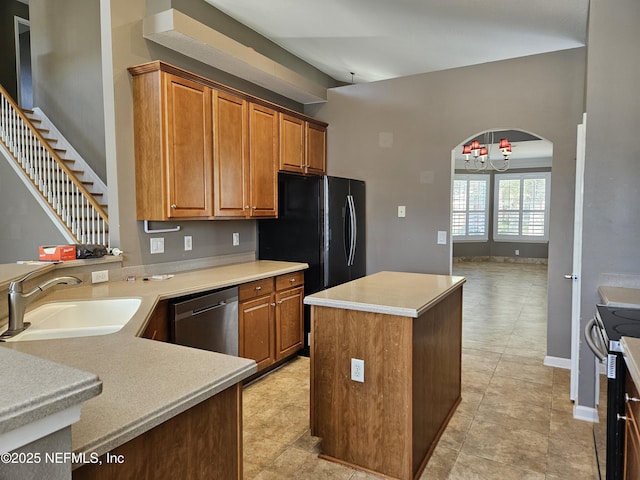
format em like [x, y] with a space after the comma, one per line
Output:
[354, 230]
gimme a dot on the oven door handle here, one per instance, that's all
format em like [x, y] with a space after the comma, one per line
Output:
[588, 336]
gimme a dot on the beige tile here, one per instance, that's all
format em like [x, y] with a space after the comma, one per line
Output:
[523, 448]
[540, 374]
[456, 431]
[470, 467]
[440, 464]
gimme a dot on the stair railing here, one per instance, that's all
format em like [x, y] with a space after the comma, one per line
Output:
[71, 202]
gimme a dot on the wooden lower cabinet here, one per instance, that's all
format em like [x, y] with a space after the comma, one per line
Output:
[270, 317]
[390, 423]
[632, 432]
[204, 442]
[158, 325]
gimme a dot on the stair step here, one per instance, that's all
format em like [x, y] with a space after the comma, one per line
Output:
[55, 140]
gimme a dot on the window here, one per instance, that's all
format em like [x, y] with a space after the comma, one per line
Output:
[470, 211]
[521, 206]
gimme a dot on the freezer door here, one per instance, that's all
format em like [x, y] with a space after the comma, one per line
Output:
[358, 267]
[337, 229]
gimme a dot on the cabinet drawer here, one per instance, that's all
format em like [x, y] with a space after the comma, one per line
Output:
[255, 289]
[289, 280]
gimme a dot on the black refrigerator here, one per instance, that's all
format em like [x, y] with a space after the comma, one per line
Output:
[321, 221]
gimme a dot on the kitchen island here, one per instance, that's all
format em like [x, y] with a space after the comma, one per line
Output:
[406, 328]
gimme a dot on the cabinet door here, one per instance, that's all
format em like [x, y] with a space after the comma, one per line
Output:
[632, 432]
[292, 156]
[289, 322]
[256, 325]
[263, 158]
[158, 326]
[230, 159]
[188, 147]
[316, 151]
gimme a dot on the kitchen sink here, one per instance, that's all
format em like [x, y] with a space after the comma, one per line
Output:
[82, 318]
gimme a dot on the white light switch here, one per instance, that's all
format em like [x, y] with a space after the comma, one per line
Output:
[402, 211]
[442, 237]
[157, 245]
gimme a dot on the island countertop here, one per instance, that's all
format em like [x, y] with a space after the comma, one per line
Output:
[393, 293]
[146, 382]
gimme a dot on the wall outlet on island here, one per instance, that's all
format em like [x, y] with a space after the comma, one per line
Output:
[357, 370]
[235, 239]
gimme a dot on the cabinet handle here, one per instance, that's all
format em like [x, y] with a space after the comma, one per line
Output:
[273, 304]
[246, 207]
[631, 399]
[255, 207]
[258, 288]
[174, 206]
[292, 280]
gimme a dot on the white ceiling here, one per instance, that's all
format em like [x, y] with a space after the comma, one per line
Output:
[381, 39]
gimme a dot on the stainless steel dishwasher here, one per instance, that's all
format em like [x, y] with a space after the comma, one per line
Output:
[208, 321]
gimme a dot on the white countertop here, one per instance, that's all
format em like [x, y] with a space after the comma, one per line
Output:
[620, 296]
[146, 382]
[392, 293]
[631, 353]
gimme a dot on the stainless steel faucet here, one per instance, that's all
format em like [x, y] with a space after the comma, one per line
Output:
[18, 300]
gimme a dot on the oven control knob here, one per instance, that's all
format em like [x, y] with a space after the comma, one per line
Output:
[622, 417]
[631, 399]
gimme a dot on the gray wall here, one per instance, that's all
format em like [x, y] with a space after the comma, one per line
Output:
[9, 9]
[428, 116]
[25, 226]
[612, 165]
[67, 73]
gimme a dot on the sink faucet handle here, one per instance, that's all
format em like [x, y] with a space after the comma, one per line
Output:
[16, 285]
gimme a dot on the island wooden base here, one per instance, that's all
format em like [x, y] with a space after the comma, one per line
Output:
[390, 424]
[204, 442]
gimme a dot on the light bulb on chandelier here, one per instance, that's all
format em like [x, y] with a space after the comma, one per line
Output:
[482, 154]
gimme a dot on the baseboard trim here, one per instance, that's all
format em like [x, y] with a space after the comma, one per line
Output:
[558, 362]
[587, 414]
[498, 259]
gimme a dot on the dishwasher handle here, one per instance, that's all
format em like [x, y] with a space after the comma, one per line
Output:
[208, 308]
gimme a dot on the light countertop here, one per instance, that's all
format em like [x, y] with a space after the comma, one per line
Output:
[392, 293]
[631, 353]
[146, 382]
[620, 296]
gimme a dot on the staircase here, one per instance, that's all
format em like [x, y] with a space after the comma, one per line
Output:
[74, 194]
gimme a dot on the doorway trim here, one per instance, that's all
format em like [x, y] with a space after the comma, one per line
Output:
[18, 24]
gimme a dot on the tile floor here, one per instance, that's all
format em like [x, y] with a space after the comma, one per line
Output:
[514, 421]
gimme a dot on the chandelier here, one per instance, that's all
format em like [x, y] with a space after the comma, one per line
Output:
[482, 154]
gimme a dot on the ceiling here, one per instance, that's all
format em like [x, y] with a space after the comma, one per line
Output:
[382, 39]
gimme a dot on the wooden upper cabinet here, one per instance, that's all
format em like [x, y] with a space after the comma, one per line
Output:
[263, 161]
[188, 146]
[207, 151]
[172, 127]
[316, 148]
[292, 158]
[302, 146]
[231, 155]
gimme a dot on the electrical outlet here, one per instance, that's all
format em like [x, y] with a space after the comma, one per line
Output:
[402, 211]
[517, 252]
[235, 239]
[100, 276]
[157, 245]
[188, 243]
[357, 370]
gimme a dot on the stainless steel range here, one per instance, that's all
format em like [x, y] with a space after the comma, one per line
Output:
[603, 334]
